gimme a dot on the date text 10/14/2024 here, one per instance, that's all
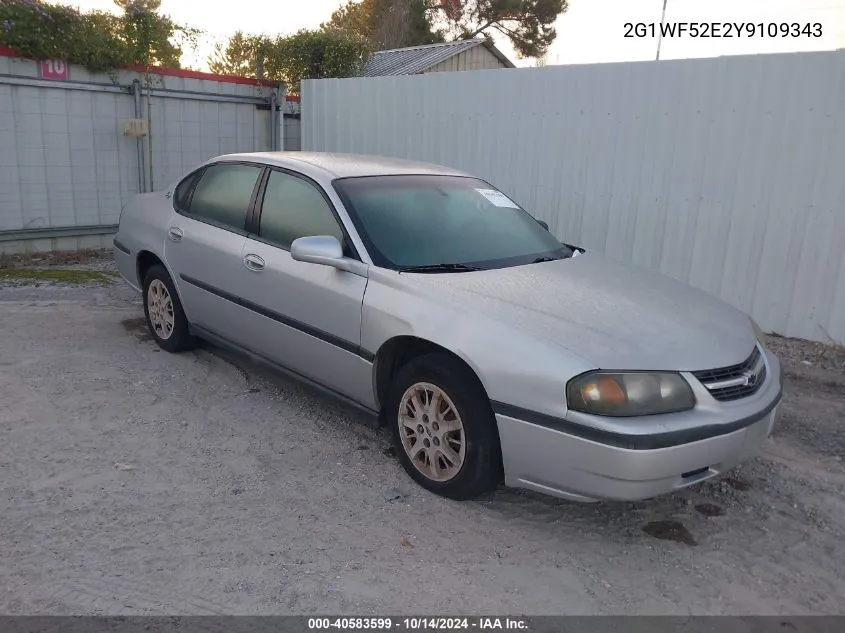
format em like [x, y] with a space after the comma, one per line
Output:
[418, 624]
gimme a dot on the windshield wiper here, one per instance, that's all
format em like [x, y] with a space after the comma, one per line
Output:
[438, 268]
[540, 260]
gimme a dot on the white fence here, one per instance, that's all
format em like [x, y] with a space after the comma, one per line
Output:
[66, 168]
[727, 173]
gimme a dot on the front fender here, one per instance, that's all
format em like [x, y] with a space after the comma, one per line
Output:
[514, 366]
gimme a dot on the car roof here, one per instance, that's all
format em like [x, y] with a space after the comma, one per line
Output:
[333, 165]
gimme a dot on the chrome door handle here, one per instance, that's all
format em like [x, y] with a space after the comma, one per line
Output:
[254, 262]
[174, 234]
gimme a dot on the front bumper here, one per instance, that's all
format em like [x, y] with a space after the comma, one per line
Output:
[587, 467]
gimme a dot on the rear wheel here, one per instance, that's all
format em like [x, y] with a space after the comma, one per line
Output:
[165, 316]
[443, 428]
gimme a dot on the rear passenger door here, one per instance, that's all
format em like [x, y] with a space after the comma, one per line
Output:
[204, 243]
[311, 313]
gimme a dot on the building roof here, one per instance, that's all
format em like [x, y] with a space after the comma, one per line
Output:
[417, 59]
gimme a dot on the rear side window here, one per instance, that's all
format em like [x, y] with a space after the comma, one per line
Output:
[182, 195]
[295, 208]
[223, 194]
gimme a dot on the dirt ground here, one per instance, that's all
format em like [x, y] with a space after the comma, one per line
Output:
[133, 481]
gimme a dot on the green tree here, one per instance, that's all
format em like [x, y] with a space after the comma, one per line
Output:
[316, 55]
[303, 55]
[387, 23]
[528, 24]
[243, 55]
[353, 17]
[97, 40]
[44, 31]
[152, 39]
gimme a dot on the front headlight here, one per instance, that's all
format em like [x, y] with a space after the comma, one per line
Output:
[629, 394]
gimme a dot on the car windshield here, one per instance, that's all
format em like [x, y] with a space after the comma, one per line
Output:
[443, 224]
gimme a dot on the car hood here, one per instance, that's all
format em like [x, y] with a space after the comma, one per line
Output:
[613, 315]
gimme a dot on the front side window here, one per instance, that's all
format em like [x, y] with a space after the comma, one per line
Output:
[224, 193]
[424, 221]
[294, 208]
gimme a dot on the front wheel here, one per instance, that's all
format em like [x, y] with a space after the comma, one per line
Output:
[444, 431]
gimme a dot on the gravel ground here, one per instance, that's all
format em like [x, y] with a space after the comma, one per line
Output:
[133, 481]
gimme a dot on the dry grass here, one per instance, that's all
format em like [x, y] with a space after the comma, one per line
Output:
[56, 275]
[54, 258]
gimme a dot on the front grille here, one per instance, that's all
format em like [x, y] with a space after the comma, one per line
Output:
[736, 381]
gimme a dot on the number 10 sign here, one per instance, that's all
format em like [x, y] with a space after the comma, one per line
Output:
[53, 69]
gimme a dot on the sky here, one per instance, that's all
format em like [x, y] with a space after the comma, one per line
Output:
[591, 31]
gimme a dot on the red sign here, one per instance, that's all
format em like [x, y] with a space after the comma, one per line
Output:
[53, 69]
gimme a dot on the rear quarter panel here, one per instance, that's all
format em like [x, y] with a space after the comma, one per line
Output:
[143, 226]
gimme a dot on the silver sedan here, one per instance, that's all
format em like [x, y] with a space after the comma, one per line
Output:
[426, 296]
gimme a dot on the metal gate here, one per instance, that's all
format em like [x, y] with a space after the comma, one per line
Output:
[75, 147]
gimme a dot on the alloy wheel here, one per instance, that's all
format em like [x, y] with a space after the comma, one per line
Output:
[160, 309]
[432, 431]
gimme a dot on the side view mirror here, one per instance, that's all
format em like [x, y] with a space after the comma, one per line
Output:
[544, 224]
[325, 250]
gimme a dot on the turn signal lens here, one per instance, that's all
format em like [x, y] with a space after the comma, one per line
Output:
[629, 394]
[605, 389]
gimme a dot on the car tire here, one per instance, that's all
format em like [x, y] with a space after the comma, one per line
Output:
[443, 428]
[163, 309]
